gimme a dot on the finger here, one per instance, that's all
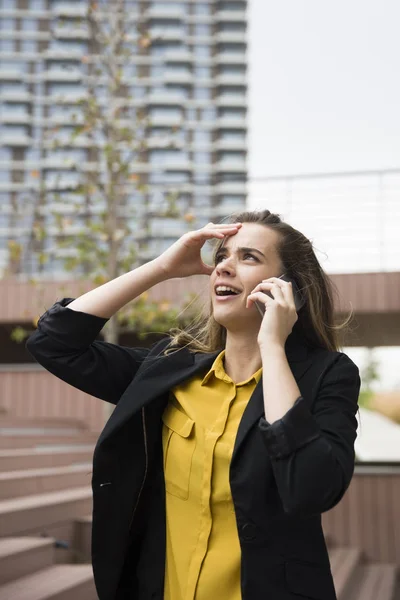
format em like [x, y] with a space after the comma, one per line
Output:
[223, 225]
[259, 296]
[273, 288]
[284, 286]
[209, 233]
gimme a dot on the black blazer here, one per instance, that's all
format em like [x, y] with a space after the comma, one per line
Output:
[282, 475]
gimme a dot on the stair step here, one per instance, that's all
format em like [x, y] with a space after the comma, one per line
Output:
[83, 537]
[29, 441]
[34, 513]
[344, 562]
[14, 484]
[12, 421]
[373, 581]
[21, 556]
[32, 431]
[59, 582]
[36, 458]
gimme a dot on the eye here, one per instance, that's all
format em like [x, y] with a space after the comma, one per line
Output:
[250, 255]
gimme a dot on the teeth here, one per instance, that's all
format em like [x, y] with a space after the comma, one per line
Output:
[224, 288]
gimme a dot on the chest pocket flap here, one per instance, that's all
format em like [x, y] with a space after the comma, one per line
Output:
[177, 421]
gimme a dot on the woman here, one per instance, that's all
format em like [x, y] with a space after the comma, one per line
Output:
[228, 440]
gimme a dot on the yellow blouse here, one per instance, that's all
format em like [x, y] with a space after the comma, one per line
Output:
[200, 424]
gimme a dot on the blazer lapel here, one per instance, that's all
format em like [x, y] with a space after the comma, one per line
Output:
[156, 376]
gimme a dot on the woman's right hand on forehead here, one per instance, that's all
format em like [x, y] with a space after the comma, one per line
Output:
[183, 258]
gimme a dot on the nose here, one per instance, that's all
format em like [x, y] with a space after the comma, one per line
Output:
[224, 266]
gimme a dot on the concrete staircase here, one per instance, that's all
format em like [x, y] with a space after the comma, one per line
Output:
[45, 475]
[357, 579]
[45, 520]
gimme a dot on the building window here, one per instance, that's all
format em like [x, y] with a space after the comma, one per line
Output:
[232, 27]
[13, 130]
[231, 157]
[232, 201]
[29, 24]
[202, 158]
[202, 51]
[202, 93]
[231, 5]
[9, 108]
[201, 8]
[7, 24]
[202, 72]
[231, 70]
[161, 157]
[157, 71]
[202, 29]
[208, 114]
[7, 45]
[232, 135]
[169, 177]
[234, 48]
[29, 46]
[231, 113]
[165, 112]
[202, 136]
[5, 155]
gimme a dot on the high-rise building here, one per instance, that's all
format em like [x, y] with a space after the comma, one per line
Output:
[193, 76]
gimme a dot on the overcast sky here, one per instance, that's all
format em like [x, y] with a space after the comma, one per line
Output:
[324, 96]
[324, 86]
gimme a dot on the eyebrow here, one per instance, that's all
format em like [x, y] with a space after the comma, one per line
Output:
[242, 249]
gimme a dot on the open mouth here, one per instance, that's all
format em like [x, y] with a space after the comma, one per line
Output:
[225, 292]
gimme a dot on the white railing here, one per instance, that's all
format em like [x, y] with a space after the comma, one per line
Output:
[353, 219]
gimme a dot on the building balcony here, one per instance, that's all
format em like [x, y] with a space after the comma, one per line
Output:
[231, 79]
[178, 77]
[69, 10]
[16, 96]
[66, 53]
[233, 165]
[230, 58]
[16, 118]
[166, 141]
[230, 100]
[231, 187]
[164, 98]
[238, 37]
[230, 15]
[232, 122]
[14, 140]
[9, 74]
[167, 34]
[178, 56]
[161, 120]
[70, 33]
[61, 75]
[230, 144]
[159, 12]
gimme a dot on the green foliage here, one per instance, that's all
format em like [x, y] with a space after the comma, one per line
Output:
[369, 375]
[103, 244]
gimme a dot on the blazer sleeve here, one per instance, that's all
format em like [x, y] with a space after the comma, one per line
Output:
[312, 450]
[65, 344]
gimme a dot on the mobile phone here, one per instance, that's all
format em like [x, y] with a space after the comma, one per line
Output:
[297, 295]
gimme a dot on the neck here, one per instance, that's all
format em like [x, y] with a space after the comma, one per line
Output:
[242, 356]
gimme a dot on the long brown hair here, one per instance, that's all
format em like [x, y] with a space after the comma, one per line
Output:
[315, 322]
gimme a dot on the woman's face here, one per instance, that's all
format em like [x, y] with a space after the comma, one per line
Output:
[243, 261]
